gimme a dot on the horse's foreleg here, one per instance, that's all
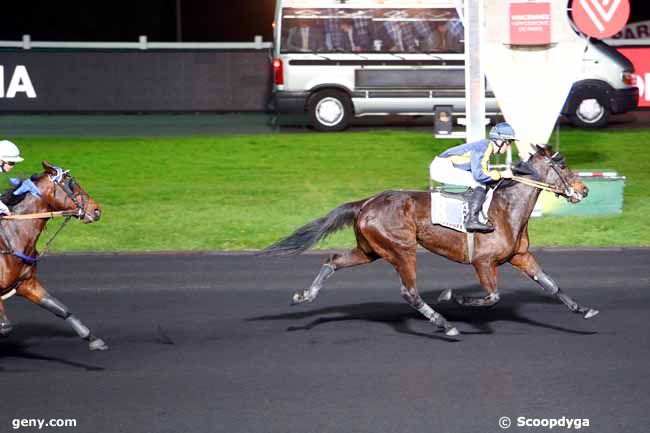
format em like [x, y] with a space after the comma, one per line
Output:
[5, 324]
[33, 290]
[406, 270]
[487, 275]
[526, 263]
[353, 257]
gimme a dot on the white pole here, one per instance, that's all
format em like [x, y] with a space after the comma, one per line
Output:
[474, 74]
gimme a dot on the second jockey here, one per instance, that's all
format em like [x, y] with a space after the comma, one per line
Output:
[9, 156]
[467, 165]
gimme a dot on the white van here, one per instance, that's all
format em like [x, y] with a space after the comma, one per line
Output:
[339, 59]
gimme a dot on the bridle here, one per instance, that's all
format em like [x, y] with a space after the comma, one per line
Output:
[556, 161]
[566, 190]
[68, 189]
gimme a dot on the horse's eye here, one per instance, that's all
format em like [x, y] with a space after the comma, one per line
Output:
[71, 183]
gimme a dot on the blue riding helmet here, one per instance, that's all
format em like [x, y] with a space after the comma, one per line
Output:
[502, 131]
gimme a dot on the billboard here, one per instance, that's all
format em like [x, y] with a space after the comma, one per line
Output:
[127, 81]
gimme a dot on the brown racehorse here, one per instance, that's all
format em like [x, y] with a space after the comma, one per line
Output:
[53, 190]
[391, 224]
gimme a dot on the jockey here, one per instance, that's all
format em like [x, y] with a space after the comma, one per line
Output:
[467, 165]
[9, 156]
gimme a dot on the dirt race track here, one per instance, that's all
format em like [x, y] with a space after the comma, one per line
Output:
[209, 343]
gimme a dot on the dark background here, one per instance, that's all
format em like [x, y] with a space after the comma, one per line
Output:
[119, 20]
[160, 20]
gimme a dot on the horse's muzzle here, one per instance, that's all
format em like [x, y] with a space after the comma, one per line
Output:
[92, 216]
[577, 192]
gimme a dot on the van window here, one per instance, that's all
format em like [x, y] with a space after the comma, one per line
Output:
[328, 30]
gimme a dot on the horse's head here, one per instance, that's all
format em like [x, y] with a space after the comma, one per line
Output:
[61, 192]
[553, 170]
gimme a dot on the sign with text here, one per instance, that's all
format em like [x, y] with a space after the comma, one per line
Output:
[33, 81]
[19, 83]
[601, 18]
[640, 57]
[634, 31]
[530, 23]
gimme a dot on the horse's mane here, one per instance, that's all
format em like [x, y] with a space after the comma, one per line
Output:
[8, 197]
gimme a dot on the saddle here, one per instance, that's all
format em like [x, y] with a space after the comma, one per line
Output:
[451, 209]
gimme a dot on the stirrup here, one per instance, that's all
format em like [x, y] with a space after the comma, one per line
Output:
[475, 226]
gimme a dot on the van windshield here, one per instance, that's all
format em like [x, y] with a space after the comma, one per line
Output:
[327, 30]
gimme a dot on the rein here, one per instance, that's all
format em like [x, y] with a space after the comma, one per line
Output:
[24, 257]
[536, 184]
[41, 215]
[33, 260]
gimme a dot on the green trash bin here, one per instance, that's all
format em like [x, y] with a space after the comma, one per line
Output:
[605, 196]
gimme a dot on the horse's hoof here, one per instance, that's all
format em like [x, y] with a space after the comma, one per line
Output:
[452, 332]
[97, 344]
[296, 299]
[591, 313]
[5, 329]
[445, 296]
[300, 298]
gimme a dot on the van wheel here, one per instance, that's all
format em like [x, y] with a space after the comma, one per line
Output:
[590, 113]
[330, 110]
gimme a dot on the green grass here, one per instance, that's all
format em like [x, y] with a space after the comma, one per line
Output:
[244, 192]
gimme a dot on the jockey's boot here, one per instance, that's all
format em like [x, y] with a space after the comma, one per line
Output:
[475, 205]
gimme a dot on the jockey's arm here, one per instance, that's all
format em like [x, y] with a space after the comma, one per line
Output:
[479, 165]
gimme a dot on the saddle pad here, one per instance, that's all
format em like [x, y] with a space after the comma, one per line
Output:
[448, 212]
[451, 211]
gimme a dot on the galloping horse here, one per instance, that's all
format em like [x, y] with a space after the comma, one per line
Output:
[391, 224]
[53, 190]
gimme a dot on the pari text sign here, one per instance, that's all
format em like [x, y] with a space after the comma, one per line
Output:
[530, 23]
[601, 18]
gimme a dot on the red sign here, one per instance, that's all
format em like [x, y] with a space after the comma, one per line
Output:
[530, 23]
[640, 57]
[601, 18]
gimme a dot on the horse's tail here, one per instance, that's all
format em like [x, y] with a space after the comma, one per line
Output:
[319, 229]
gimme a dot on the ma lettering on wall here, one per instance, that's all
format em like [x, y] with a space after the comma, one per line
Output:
[19, 82]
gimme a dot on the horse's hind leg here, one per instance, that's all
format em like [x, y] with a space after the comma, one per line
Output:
[350, 258]
[5, 324]
[526, 263]
[487, 276]
[33, 290]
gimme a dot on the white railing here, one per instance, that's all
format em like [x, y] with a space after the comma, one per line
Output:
[143, 44]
